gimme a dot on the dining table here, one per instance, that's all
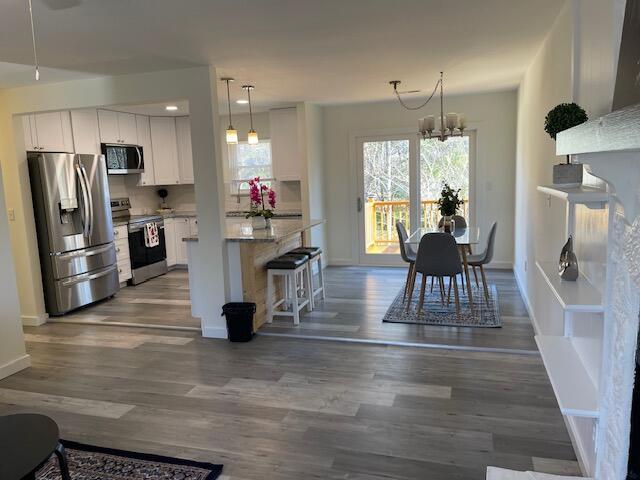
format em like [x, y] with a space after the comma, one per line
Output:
[465, 238]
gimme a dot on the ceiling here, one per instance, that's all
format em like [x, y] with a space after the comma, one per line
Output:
[328, 51]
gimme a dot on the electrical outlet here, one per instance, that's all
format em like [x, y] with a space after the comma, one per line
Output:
[11, 213]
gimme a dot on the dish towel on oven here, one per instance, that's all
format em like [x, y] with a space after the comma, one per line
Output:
[151, 236]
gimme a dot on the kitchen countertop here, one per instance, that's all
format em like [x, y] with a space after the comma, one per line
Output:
[118, 222]
[240, 230]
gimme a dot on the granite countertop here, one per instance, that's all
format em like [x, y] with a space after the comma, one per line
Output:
[240, 230]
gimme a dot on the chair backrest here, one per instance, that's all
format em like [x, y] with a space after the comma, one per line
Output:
[491, 241]
[402, 237]
[438, 255]
[458, 219]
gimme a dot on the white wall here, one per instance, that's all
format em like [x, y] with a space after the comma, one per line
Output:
[492, 115]
[197, 85]
[575, 63]
[313, 185]
[13, 356]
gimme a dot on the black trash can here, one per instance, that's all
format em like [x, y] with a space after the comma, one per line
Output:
[239, 320]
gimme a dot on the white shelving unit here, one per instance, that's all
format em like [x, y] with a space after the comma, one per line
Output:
[572, 385]
[572, 376]
[592, 196]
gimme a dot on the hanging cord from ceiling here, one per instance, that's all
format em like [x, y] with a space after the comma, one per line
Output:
[395, 84]
[33, 40]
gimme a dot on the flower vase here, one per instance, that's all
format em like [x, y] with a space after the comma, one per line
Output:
[267, 222]
[448, 224]
[258, 222]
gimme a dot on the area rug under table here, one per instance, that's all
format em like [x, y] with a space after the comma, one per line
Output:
[486, 314]
[96, 463]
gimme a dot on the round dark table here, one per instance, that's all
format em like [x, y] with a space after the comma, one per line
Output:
[26, 443]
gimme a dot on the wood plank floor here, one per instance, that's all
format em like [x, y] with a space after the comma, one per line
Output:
[161, 301]
[285, 409]
[358, 297]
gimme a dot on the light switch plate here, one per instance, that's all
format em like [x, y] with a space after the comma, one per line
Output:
[11, 213]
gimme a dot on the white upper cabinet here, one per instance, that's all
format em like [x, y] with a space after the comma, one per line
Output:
[128, 129]
[144, 140]
[117, 127]
[48, 132]
[185, 156]
[283, 126]
[165, 150]
[86, 135]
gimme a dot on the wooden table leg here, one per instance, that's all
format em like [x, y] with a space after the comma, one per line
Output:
[468, 280]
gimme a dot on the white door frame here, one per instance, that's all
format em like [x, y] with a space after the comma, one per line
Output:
[357, 186]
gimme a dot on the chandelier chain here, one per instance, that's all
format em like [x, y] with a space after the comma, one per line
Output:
[424, 104]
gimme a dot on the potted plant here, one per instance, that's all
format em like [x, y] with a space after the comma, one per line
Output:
[560, 118]
[448, 204]
[259, 214]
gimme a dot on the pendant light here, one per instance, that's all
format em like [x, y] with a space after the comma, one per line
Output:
[232, 133]
[252, 136]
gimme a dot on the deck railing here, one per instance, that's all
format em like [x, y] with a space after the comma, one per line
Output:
[380, 227]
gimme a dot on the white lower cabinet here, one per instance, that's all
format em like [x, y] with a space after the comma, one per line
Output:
[122, 253]
[170, 240]
[183, 230]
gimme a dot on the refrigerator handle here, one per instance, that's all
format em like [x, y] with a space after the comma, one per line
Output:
[85, 201]
[89, 197]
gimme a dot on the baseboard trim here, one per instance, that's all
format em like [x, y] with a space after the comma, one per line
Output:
[15, 366]
[34, 320]
[214, 332]
[527, 303]
[393, 343]
[584, 462]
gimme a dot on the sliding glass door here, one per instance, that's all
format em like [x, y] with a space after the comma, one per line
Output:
[399, 179]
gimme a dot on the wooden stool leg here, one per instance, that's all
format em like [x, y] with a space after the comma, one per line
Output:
[484, 283]
[294, 299]
[475, 274]
[270, 293]
[62, 462]
[441, 282]
[321, 275]
[432, 281]
[449, 291]
[422, 287]
[309, 289]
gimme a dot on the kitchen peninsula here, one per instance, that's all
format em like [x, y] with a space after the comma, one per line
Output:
[248, 252]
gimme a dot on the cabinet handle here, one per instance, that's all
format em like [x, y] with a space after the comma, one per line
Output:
[119, 270]
[117, 250]
[116, 232]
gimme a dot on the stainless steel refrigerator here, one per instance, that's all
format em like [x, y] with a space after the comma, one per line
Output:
[75, 232]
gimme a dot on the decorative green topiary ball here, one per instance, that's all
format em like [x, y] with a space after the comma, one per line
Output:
[562, 117]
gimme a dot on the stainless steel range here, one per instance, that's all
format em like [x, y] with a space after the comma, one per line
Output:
[146, 261]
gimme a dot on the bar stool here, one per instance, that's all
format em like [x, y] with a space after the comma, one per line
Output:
[290, 267]
[315, 257]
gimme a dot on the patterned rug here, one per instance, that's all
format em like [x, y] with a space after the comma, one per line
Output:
[433, 312]
[96, 463]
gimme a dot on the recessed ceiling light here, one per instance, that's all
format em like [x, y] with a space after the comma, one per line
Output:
[171, 108]
[242, 101]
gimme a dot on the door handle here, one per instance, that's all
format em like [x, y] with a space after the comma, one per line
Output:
[85, 201]
[84, 253]
[86, 277]
[359, 204]
[90, 198]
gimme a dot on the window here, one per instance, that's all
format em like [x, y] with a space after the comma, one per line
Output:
[249, 161]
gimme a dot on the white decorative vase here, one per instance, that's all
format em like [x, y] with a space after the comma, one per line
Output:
[258, 222]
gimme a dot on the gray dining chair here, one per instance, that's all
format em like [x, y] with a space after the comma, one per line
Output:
[407, 255]
[437, 257]
[481, 259]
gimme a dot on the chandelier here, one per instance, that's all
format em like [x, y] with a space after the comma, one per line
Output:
[449, 125]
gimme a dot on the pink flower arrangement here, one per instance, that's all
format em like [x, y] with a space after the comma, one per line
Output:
[256, 195]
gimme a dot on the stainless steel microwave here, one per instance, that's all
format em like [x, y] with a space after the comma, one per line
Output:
[123, 159]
